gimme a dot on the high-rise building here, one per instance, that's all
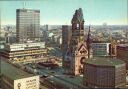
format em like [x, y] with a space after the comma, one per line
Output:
[78, 48]
[104, 73]
[27, 24]
[66, 36]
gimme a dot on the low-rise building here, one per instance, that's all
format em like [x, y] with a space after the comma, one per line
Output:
[23, 52]
[15, 78]
[101, 49]
[122, 53]
[104, 73]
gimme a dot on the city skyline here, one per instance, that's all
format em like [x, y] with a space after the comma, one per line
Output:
[63, 44]
[96, 12]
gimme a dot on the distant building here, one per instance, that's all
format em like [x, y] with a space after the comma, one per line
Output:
[26, 52]
[46, 27]
[27, 24]
[78, 50]
[2, 42]
[122, 53]
[104, 73]
[45, 33]
[6, 38]
[101, 49]
[15, 78]
[59, 40]
[10, 39]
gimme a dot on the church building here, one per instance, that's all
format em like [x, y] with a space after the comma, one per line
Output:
[79, 49]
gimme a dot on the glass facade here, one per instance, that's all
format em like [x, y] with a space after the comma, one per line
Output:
[100, 49]
[27, 24]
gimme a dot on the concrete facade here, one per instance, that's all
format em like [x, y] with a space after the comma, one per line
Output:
[23, 52]
[104, 73]
[122, 53]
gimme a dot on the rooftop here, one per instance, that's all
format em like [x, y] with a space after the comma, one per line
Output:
[56, 75]
[24, 46]
[13, 72]
[105, 61]
[123, 45]
[27, 10]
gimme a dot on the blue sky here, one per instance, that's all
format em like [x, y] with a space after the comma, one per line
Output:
[96, 12]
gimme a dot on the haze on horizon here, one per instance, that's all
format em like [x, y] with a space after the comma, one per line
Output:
[58, 12]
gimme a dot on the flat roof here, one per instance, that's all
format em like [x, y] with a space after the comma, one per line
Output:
[26, 9]
[123, 45]
[59, 78]
[13, 72]
[104, 61]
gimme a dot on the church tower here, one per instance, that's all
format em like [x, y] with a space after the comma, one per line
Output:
[78, 51]
[78, 26]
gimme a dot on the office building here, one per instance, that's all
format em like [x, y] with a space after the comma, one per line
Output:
[46, 27]
[15, 78]
[104, 73]
[27, 24]
[101, 49]
[66, 36]
[122, 53]
[24, 52]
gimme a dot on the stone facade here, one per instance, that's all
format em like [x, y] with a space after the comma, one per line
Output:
[78, 50]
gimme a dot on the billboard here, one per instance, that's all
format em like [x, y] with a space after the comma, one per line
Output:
[27, 83]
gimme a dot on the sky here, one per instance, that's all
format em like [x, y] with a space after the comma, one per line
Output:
[60, 12]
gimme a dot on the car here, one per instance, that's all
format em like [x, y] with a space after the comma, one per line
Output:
[44, 76]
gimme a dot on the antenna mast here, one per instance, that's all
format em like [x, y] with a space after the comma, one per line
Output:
[24, 4]
[0, 22]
